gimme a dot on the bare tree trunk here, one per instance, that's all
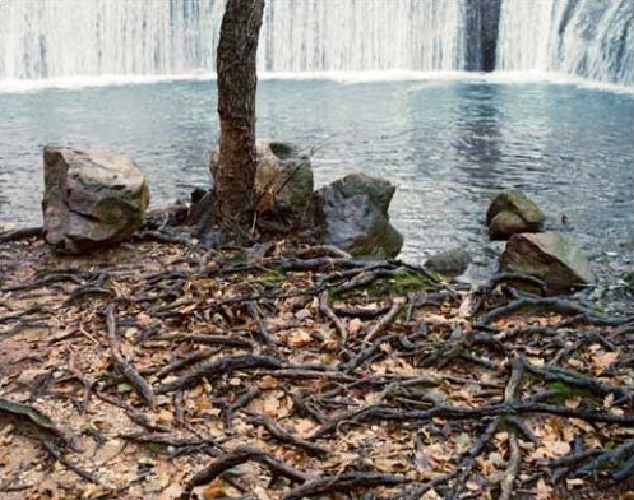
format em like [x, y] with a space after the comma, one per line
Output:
[234, 173]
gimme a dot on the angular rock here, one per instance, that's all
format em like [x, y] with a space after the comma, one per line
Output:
[92, 198]
[515, 213]
[353, 213]
[282, 171]
[451, 262]
[550, 257]
[506, 224]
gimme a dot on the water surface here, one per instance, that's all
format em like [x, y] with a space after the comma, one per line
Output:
[449, 146]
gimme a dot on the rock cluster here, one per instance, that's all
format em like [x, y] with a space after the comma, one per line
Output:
[93, 198]
[549, 256]
[351, 213]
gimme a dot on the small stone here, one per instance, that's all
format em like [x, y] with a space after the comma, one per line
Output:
[452, 262]
[303, 314]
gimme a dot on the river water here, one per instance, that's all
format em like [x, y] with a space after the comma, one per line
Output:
[449, 146]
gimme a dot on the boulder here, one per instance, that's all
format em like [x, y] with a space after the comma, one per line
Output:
[283, 171]
[451, 262]
[550, 257]
[92, 198]
[513, 212]
[353, 214]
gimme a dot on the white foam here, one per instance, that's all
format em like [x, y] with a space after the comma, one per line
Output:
[346, 78]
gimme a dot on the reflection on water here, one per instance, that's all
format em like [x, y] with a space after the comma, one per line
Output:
[448, 145]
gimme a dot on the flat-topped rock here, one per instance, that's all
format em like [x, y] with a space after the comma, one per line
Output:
[92, 198]
[550, 257]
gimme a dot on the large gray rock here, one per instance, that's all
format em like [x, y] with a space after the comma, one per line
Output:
[92, 198]
[282, 171]
[513, 212]
[550, 257]
[353, 213]
[451, 262]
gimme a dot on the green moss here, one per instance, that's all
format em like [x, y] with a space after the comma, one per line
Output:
[272, 276]
[237, 259]
[398, 285]
[565, 392]
[410, 282]
[282, 150]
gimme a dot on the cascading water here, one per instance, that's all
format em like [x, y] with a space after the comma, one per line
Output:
[66, 38]
[590, 38]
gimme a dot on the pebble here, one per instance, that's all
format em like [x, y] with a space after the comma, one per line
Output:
[303, 314]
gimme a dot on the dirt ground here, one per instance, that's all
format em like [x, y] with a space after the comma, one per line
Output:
[163, 371]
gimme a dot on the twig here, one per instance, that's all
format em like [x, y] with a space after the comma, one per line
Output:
[326, 310]
[222, 366]
[284, 435]
[345, 482]
[264, 331]
[136, 380]
[239, 456]
[20, 234]
[377, 328]
[25, 415]
[52, 449]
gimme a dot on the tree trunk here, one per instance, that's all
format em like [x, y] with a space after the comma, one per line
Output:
[234, 173]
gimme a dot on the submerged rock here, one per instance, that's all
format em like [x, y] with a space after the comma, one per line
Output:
[282, 172]
[550, 257]
[451, 262]
[513, 212]
[353, 213]
[92, 198]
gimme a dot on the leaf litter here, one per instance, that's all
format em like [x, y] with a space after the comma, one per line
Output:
[165, 371]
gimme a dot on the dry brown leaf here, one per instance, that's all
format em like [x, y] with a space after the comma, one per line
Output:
[544, 492]
[215, 490]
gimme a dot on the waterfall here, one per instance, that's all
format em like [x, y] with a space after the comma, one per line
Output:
[589, 38]
[67, 38]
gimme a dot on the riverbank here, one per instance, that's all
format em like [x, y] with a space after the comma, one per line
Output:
[300, 372]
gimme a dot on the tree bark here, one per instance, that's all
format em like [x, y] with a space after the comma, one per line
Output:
[234, 173]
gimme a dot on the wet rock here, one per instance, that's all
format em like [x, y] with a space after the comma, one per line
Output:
[196, 195]
[353, 213]
[283, 171]
[506, 224]
[451, 262]
[92, 198]
[513, 212]
[550, 257]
